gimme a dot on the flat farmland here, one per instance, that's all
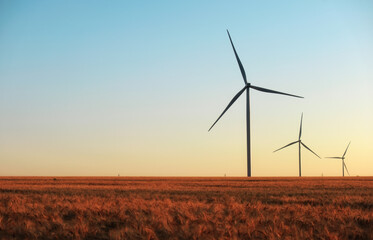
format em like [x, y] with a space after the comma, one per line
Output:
[186, 208]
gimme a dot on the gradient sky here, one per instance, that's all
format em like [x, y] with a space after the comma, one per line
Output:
[131, 87]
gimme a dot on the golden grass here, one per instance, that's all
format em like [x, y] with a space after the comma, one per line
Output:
[186, 208]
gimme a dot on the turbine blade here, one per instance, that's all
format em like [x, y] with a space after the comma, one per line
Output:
[238, 59]
[300, 130]
[304, 145]
[334, 157]
[346, 168]
[230, 104]
[346, 149]
[286, 146]
[272, 91]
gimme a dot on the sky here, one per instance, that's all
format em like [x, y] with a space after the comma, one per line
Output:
[101, 88]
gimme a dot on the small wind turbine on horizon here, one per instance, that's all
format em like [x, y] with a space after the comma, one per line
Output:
[343, 161]
[299, 146]
[247, 88]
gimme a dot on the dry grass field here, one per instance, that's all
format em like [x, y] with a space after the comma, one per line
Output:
[186, 208]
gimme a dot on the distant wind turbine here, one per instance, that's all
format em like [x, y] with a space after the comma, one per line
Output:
[299, 145]
[343, 161]
[247, 88]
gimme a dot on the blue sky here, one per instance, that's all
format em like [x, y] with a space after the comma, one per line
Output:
[101, 88]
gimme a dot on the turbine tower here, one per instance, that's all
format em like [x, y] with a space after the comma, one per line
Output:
[246, 88]
[299, 146]
[343, 161]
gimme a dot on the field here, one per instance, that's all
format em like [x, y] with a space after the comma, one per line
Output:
[186, 208]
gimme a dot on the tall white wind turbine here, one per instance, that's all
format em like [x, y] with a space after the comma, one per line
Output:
[343, 161]
[300, 143]
[246, 88]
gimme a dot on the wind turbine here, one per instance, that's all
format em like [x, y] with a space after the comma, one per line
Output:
[247, 89]
[343, 161]
[299, 146]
